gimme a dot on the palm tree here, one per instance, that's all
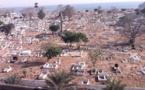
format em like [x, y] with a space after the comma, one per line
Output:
[13, 79]
[114, 85]
[36, 5]
[61, 80]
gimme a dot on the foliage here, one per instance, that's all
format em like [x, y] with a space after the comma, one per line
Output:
[46, 46]
[52, 52]
[29, 13]
[71, 37]
[61, 80]
[1, 23]
[94, 55]
[41, 14]
[54, 28]
[95, 9]
[137, 11]
[87, 10]
[36, 5]
[123, 9]
[133, 26]
[13, 79]
[7, 28]
[141, 6]
[143, 10]
[24, 72]
[69, 11]
[100, 11]
[114, 85]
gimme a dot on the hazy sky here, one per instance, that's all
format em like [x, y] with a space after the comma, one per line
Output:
[17, 3]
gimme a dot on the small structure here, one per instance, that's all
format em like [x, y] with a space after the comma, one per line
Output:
[85, 81]
[8, 69]
[102, 76]
[43, 75]
[25, 53]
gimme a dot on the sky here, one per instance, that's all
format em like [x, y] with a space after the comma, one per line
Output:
[19, 3]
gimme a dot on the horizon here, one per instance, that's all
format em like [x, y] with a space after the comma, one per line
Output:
[4, 4]
[77, 4]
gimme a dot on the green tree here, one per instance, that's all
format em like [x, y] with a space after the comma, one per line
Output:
[143, 10]
[114, 85]
[52, 52]
[137, 11]
[54, 28]
[95, 9]
[71, 37]
[7, 28]
[25, 72]
[94, 55]
[61, 80]
[81, 37]
[13, 79]
[41, 14]
[1, 23]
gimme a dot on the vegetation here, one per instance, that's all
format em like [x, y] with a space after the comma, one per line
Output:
[52, 52]
[61, 80]
[28, 13]
[41, 14]
[114, 85]
[133, 26]
[95, 55]
[7, 28]
[13, 79]
[24, 72]
[95, 9]
[36, 5]
[54, 28]
[71, 37]
[1, 23]
[69, 11]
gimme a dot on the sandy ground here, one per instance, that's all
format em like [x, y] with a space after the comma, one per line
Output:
[130, 72]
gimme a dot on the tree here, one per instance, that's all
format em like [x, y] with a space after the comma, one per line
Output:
[1, 23]
[95, 9]
[100, 9]
[60, 9]
[61, 80]
[13, 79]
[29, 13]
[41, 14]
[143, 10]
[137, 11]
[71, 37]
[54, 28]
[123, 9]
[87, 10]
[81, 37]
[36, 5]
[52, 52]
[133, 26]
[94, 55]
[141, 6]
[46, 46]
[69, 11]
[114, 85]
[7, 28]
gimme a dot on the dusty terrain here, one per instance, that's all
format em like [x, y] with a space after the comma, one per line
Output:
[131, 75]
